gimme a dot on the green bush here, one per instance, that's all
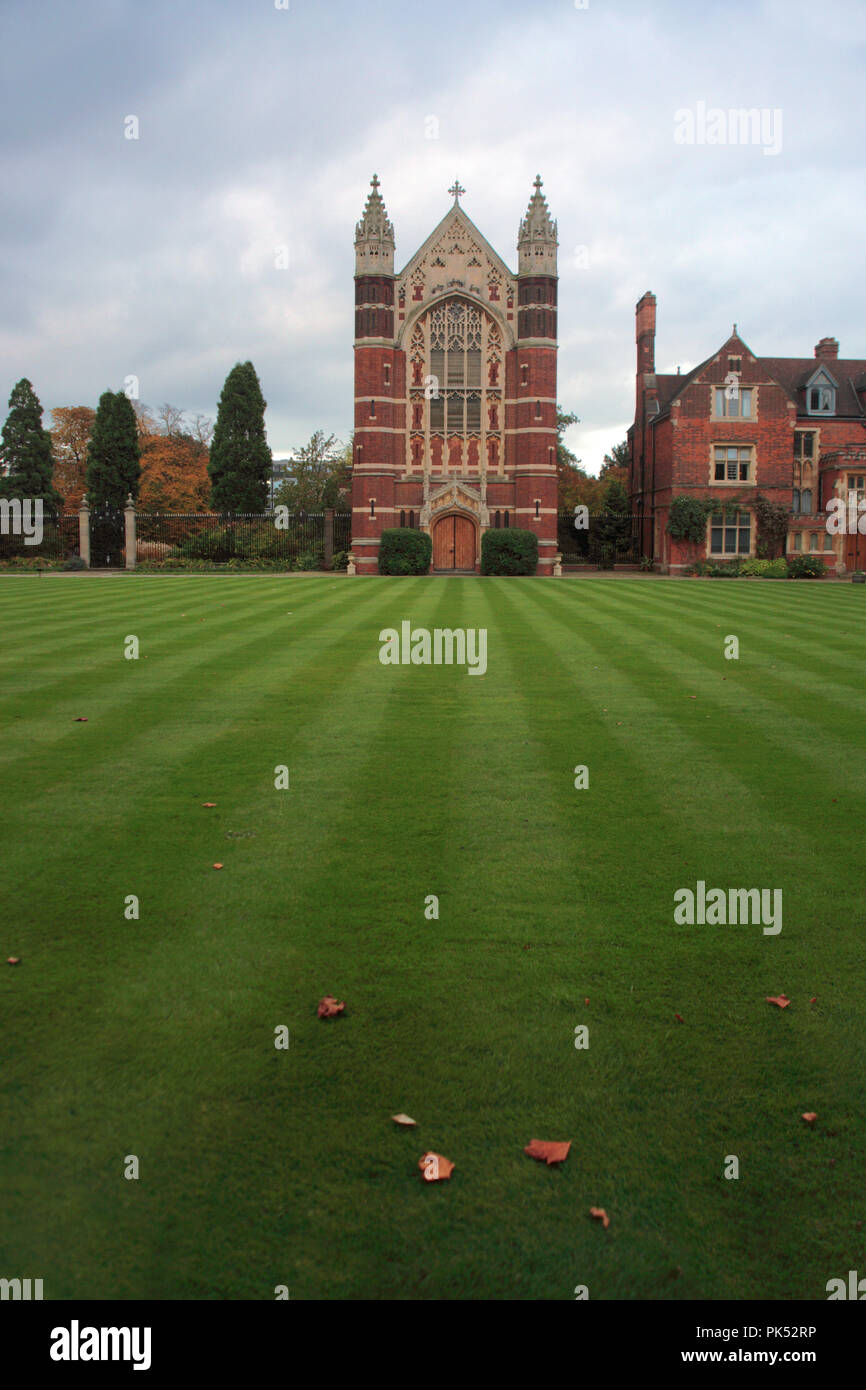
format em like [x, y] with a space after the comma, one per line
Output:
[28, 562]
[765, 569]
[310, 560]
[74, 562]
[805, 567]
[403, 550]
[340, 560]
[509, 551]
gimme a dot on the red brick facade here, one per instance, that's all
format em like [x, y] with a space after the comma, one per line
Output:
[455, 385]
[792, 430]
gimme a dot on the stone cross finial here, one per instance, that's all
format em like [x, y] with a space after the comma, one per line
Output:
[374, 182]
[456, 189]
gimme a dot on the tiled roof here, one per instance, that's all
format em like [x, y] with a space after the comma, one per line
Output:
[793, 372]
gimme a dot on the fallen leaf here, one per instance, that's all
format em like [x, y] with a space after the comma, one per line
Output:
[80, 719]
[810, 1117]
[781, 999]
[329, 1007]
[600, 1215]
[548, 1150]
[434, 1167]
[814, 999]
[678, 1017]
[13, 960]
[217, 866]
[586, 1000]
[208, 803]
[405, 1120]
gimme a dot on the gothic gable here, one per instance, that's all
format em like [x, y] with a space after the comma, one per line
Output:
[455, 259]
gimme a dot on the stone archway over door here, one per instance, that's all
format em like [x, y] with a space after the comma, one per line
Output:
[454, 543]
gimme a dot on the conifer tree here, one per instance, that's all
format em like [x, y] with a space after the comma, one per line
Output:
[113, 454]
[25, 450]
[240, 460]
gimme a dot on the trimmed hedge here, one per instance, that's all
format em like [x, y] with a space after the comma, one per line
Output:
[402, 550]
[509, 551]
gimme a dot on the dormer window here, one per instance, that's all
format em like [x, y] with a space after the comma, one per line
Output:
[735, 364]
[820, 400]
[821, 394]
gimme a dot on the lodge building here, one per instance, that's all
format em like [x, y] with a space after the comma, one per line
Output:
[455, 386]
[737, 426]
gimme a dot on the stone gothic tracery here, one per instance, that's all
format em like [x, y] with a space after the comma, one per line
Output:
[455, 391]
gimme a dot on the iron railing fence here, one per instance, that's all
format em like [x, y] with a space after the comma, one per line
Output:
[223, 537]
[607, 539]
[59, 540]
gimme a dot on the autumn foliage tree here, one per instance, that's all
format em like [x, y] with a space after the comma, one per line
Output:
[71, 428]
[174, 476]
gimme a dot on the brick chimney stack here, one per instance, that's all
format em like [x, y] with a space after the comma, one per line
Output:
[645, 333]
[827, 350]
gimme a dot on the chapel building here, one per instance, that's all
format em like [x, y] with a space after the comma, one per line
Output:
[455, 386]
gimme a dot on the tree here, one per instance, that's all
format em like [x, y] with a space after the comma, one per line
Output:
[174, 476]
[614, 524]
[25, 450]
[574, 486]
[174, 460]
[615, 497]
[616, 464]
[114, 452]
[617, 458]
[71, 427]
[319, 476]
[240, 461]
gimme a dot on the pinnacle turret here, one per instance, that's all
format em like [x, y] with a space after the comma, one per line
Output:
[374, 237]
[537, 240]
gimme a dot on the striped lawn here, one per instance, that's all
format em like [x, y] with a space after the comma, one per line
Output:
[260, 1167]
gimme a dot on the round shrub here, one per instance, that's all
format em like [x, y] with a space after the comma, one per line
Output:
[509, 551]
[403, 550]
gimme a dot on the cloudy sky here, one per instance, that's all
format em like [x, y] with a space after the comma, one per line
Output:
[259, 128]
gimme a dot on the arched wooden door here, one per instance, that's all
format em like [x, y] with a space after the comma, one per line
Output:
[454, 543]
[855, 551]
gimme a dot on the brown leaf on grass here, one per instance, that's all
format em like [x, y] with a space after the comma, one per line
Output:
[678, 1017]
[208, 803]
[13, 960]
[781, 999]
[548, 1150]
[217, 866]
[405, 1120]
[600, 1215]
[434, 1167]
[810, 1117]
[329, 1007]
[80, 719]
[586, 1000]
[814, 999]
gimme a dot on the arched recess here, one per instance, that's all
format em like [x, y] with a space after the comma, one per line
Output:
[455, 359]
